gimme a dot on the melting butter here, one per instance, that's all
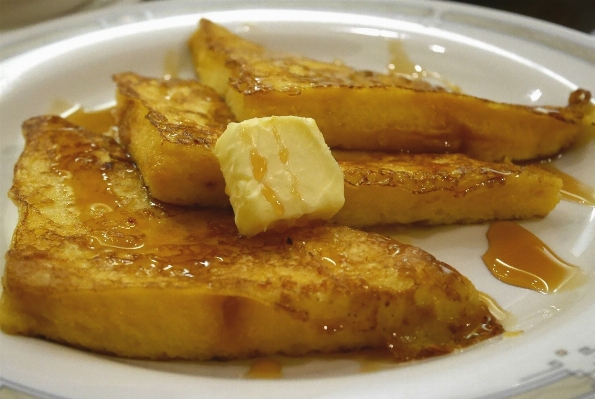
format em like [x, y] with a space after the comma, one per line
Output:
[278, 173]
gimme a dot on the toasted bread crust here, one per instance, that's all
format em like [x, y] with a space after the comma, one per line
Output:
[95, 264]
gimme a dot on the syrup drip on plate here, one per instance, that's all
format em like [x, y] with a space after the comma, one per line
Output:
[495, 309]
[171, 65]
[265, 369]
[401, 63]
[399, 59]
[368, 361]
[573, 190]
[97, 121]
[515, 256]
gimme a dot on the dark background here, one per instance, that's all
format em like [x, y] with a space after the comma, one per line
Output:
[575, 14]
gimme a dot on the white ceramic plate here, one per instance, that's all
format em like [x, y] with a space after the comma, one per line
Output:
[490, 54]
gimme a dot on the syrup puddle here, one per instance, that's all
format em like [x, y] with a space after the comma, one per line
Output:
[517, 257]
[100, 120]
[97, 121]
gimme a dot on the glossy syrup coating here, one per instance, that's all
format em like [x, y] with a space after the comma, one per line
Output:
[515, 256]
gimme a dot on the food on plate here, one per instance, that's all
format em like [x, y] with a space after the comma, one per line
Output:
[278, 173]
[170, 128]
[96, 264]
[364, 110]
[380, 188]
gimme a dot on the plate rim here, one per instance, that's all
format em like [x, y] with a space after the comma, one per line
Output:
[135, 7]
[17, 41]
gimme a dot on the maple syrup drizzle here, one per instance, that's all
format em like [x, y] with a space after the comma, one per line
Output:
[284, 158]
[515, 256]
[495, 309]
[171, 65]
[94, 198]
[97, 121]
[573, 190]
[512, 334]
[259, 170]
[259, 165]
[399, 59]
[374, 360]
[269, 194]
[400, 63]
[265, 369]
[369, 361]
[504, 317]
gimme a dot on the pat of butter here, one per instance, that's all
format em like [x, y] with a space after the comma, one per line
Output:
[278, 172]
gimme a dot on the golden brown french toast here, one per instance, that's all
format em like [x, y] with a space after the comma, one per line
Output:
[380, 188]
[169, 127]
[383, 188]
[94, 263]
[363, 110]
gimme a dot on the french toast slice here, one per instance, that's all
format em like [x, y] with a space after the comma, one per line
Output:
[364, 110]
[432, 189]
[380, 188]
[95, 264]
[169, 127]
